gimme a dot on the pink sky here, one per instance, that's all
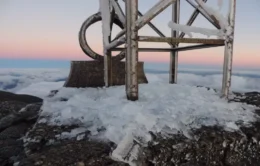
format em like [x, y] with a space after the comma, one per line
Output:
[49, 30]
[58, 50]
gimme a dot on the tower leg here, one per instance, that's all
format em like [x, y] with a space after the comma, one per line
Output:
[174, 54]
[131, 50]
[228, 58]
[108, 67]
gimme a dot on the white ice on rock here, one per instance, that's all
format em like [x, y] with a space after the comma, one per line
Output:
[161, 106]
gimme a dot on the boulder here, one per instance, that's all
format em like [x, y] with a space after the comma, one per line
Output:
[252, 98]
[74, 153]
[18, 113]
[208, 146]
[8, 96]
[211, 146]
[53, 145]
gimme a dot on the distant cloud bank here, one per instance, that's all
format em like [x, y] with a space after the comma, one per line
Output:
[40, 81]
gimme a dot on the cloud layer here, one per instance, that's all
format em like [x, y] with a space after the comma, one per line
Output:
[40, 81]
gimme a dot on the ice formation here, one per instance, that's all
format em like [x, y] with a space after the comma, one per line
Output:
[161, 107]
[225, 32]
[105, 6]
[189, 29]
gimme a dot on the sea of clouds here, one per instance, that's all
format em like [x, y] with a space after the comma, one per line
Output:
[40, 81]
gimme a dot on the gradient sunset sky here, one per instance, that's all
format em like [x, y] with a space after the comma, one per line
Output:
[48, 30]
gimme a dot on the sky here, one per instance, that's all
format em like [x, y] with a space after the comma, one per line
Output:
[45, 33]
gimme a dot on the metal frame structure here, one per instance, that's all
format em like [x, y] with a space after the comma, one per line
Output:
[131, 39]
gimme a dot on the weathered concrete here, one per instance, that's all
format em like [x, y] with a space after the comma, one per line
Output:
[91, 74]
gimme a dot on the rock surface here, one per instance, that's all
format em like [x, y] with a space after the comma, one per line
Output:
[212, 146]
[252, 98]
[23, 142]
[7, 96]
[17, 114]
[26, 143]
[72, 152]
[209, 146]
[53, 145]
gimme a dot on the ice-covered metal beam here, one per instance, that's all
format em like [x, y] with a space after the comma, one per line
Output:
[153, 12]
[192, 19]
[178, 40]
[175, 34]
[229, 44]
[118, 11]
[147, 17]
[179, 49]
[106, 30]
[131, 50]
[203, 12]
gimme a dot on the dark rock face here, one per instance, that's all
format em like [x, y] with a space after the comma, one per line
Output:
[213, 146]
[252, 98]
[43, 135]
[27, 144]
[17, 114]
[11, 144]
[45, 146]
[10, 107]
[28, 113]
[83, 152]
[7, 96]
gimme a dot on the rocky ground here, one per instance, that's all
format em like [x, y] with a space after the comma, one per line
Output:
[24, 142]
[18, 113]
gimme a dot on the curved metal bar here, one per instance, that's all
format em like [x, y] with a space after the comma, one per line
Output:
[83, 41]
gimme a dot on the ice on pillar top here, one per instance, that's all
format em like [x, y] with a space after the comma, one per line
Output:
[104, 7]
